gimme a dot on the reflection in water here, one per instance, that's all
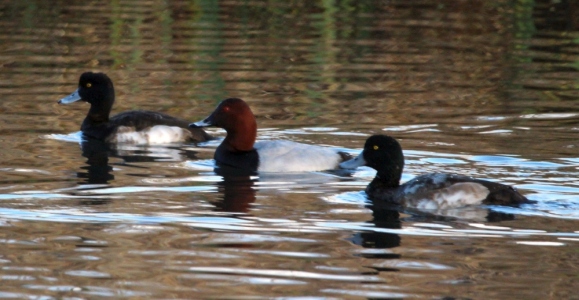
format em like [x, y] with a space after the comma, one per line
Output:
[477, 213]
[237, 189]
[98, 170]
[382, 218]
[389, 218]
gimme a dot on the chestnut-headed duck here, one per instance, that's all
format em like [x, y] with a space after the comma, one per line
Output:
[240, 150]
[134, 127]
[429, 191]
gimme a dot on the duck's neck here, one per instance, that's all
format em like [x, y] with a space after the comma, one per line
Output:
[387, 179]
[99, 112]
[242, 137]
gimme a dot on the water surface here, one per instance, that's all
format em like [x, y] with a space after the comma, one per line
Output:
[475, 88]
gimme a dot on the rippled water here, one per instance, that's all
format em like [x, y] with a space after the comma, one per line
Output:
[486, 89]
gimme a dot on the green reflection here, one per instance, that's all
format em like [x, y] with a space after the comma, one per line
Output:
[30, 17]
[325, 52]
[524, 25]
[30, 14]
[523, 32]
[132, 59]
[116, 32]
[205, 56]
[136, 54]
[165, 21]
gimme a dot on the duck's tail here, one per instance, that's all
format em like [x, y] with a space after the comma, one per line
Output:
[506, 196]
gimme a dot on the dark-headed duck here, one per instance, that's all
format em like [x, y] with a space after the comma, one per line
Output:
[135, 127]
[429, 191]
[240, 150]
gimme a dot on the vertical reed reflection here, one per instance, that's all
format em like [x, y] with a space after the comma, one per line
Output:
[206, 58]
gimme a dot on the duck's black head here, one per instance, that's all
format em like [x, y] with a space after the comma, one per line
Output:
[382, 153]
[94, 88]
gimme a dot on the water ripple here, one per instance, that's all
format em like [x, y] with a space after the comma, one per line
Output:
[282, 273]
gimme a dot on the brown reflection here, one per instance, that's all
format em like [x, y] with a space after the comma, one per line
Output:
[555, 15]
[237, 189]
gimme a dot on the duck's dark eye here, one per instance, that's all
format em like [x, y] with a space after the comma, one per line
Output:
[225, 108]
[375, 147]
[88, 84]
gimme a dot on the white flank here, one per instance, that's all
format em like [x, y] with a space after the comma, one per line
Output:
[456, 195]
[160, 134]
[287, 156]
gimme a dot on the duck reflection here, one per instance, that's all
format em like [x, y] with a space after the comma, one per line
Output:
[99, 171]
[382, 218]
[237, 189]
[389, 217]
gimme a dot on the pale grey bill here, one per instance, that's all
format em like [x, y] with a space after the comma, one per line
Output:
[200, 124]
[70, 98]
[354, 162]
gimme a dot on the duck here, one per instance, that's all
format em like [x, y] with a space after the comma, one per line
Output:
[239, 149]
[433, 191]
[131, 127]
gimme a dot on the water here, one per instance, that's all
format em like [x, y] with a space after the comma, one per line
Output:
[476, 88]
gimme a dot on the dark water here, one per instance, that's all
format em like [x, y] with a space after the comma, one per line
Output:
[482, 88]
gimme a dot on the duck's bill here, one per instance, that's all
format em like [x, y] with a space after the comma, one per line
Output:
[199, 124]
[354, 162]
[70, 98]
[205, 123]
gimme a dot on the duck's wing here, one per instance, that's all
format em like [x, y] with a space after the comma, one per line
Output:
[141, 119]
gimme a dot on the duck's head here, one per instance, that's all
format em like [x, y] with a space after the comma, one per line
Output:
[93, 88]
[235, 116]
[382, 153]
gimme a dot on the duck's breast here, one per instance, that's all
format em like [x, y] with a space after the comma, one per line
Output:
[288, 156]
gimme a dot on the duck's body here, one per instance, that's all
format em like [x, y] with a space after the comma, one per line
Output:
[135, 127]
[430, 191]
[239, 149]
[441, 191]
[296, 157]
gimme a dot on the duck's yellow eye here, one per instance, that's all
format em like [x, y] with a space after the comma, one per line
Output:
[88, 85]
[376, 147]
